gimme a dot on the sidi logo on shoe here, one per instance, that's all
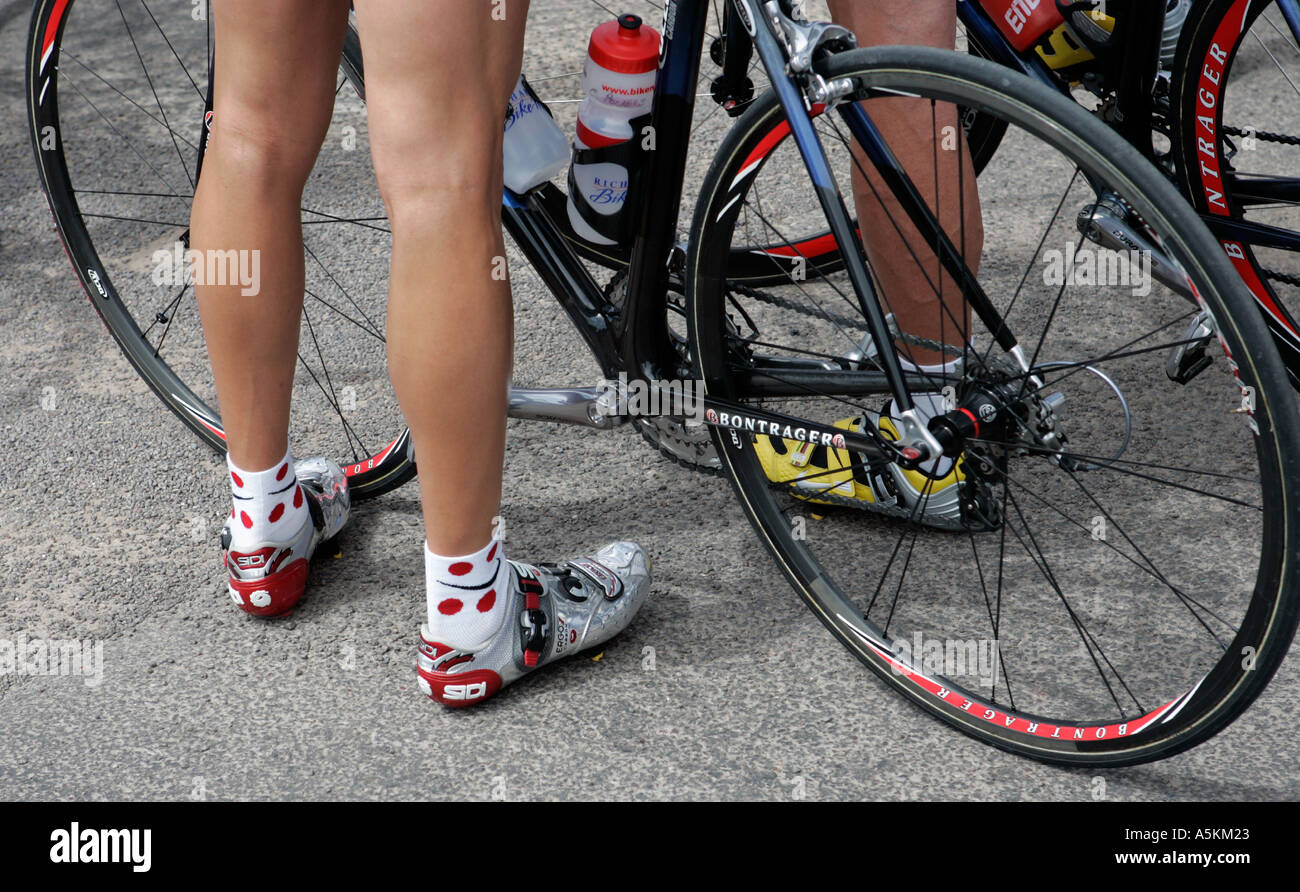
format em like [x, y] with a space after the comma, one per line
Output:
[461, 689]
[474, 691]
[266, 559]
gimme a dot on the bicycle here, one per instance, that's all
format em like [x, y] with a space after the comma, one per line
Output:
[780, 327]
[1151, 84]
[1168, 99]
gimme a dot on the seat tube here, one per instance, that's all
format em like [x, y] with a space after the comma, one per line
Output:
[643, 335]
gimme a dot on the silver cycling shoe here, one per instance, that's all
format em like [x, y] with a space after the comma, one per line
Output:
[555, 611]
[269, 579]
[330, 500]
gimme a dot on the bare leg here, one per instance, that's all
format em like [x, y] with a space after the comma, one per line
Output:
[916, 139]
[439, 74]
[273, 95]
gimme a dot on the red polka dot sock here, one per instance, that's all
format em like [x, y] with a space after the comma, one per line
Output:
[467, 596]
[269, 506]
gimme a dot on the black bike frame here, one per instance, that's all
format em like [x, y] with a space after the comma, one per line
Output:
[634, 338]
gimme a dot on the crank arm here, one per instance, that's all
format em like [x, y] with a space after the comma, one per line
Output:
[582, 406]
[1104, 224]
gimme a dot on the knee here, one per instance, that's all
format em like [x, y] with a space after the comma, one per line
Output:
[265, 153]
[425, 178]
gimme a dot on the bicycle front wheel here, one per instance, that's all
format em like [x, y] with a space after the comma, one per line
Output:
[1097, 572]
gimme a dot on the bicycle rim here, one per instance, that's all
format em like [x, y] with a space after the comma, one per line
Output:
[1098, 655]
[1237, 85]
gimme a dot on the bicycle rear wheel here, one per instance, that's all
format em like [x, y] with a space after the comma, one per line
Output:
[1104, 579]
[116, 97]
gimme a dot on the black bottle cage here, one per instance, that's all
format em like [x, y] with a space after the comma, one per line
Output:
[629, 155]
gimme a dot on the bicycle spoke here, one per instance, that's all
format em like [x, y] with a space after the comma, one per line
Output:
[169, 314]
[175, 55]
[125, 140]
[1091, 646]
[170, 224]
[1144, 566]
[329, 391]
[152, 89]
[1038, 450]
[371, 328]
[1110, 519]
[113, 87]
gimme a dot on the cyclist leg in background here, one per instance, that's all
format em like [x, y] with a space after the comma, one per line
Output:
[920, 142]
[924, 299]
[439, 74]
[275, 72]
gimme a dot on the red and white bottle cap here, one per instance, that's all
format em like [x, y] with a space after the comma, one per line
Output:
[623, 46]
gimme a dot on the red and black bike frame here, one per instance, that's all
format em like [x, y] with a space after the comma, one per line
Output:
[1130, 71]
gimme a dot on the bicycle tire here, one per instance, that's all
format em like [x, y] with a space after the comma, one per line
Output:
[1196, 714]
[1208, 47]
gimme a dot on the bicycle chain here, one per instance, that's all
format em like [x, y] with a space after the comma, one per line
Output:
[1264, 135]
[787, 304]
[1285, 278]
[837, 319]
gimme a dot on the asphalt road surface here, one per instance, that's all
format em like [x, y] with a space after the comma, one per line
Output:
[724, 688]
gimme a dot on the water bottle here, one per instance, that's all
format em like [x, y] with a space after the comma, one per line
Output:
[536, 149]
[618, 82]
[1024, 22]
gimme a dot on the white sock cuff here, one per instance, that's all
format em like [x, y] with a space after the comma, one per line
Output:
[467, 595]
[468, 571]
[273, 481]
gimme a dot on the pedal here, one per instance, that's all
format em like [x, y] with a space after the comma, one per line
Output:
[1188, 360]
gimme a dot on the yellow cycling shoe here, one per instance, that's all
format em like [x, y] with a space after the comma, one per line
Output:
[815, 470]
[931, 497]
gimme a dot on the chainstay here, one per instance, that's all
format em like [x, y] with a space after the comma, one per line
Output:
[838, 319]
